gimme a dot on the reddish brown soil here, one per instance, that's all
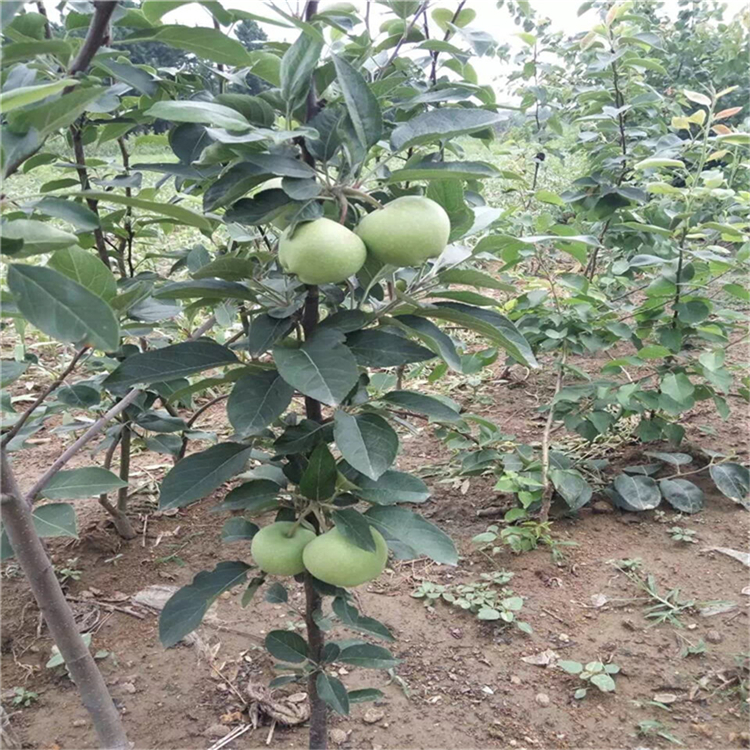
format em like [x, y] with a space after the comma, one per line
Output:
[464, 683]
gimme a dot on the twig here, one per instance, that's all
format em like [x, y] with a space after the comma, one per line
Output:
[552, 614]
[87, 437]
[109, 607]
[547, 491]
[422, 9]
[207, 326]
[43, 395]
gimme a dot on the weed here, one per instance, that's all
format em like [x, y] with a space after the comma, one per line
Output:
[593, 673]
[524, 537]
[68, 572]
[488, 599]
[680, 534]
[24, 697]
[667, 607]
[693, 650]
[657, 729]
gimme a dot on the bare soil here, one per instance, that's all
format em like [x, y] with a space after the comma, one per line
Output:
[461, 683]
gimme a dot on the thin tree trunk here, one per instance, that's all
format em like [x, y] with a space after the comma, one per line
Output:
[36, 565]
[121, 522]
[313, 600]
[318, 709]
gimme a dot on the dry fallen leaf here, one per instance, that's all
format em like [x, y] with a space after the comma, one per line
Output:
[543, 659]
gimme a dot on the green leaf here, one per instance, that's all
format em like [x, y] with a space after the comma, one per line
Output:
[390, 488]
[678, 387]
[204, 289]
[376, 348]
[253, 497]
[226, 267]
[25, 51]
[354, 527]
[277, 594]
[732, 480]
[361, 103]
[318, 369]
[409, 535]
[637, 492]
[368, 656]
[205, 113]
[366, 441]
[655, 162]
[547, 196]
[297, 67]
[48, 117]
[444, 170]
[62, 308]
[185, 610]
[332, 691]
[37, 237]
[260, 209]
[75, 213]
[170, 363]
[238, 529]
[10, 371]
[433, 338]
[418, 402]
[682, 495]
[572, 487]
[169, 210]
[441, 125]
[319, 477]
[138, 78]
[199, 474]
[472, 277]
[737, 139]
[257, 400]
[571, 667]
[604, 682]
[23, 95]
[675, 459]
[86, 269]
[265, 331]
[353, 620]
[287, 646]
[50, 520]
[88, 481]
[205, 43]
[495, 327]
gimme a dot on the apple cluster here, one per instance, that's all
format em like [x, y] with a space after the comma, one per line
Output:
[406, 232]
[285, 548]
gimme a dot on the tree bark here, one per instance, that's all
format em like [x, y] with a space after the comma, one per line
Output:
[36, 565]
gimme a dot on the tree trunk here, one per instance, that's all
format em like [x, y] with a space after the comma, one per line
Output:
[36, 565]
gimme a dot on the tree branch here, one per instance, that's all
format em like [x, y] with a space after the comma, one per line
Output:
[35, 563]
[42, 396]
[86, 438]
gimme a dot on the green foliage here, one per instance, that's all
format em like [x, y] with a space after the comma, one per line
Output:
[489, 599]
[593, 673]
[164, 274]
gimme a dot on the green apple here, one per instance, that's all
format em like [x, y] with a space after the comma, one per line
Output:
[332, 558]
[407, 232]
[276, 552]
[322, 252]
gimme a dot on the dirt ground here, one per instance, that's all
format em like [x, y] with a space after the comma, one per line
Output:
[461, 683]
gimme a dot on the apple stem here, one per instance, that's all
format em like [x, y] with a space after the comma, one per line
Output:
[363, 196]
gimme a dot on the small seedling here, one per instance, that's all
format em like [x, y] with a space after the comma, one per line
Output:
[480, 597]
[690, 650]
[667, 607]
[24, 697]
[56, 659]
[523, 537]
[69, 572]
[594, 673]
[679, 534]
[657, 729]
